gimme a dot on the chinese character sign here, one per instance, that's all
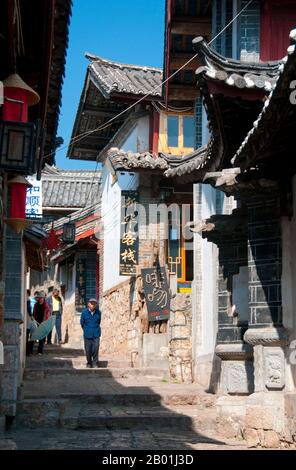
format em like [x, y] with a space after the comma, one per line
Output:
[157, 293]
[34, 199]
[129, 242]
[80, 298]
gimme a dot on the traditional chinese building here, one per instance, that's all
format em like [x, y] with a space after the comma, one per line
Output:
[135, 152]
[32, 61]
[208, 267]
[251, 112]
[73, 267]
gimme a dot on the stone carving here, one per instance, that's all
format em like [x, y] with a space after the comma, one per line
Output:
[274, 368]
[266, 336]
[234, 351]
[236, 377]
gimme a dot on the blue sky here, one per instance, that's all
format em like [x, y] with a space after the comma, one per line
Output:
[130, 31]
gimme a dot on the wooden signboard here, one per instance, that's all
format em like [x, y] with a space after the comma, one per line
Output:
[129, 240]
[80, 297]
[157, 293]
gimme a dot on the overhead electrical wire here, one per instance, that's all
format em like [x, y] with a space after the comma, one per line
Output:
[111, 120]
[84, 134]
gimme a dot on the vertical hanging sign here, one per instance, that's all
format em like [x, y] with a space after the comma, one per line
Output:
[157, 293]
[34, 199]
[129, 240]
[80, 299]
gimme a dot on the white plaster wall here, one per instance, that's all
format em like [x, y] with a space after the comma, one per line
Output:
[289, 290]
[204, 295]
[70, 293]
[136, 141]
[209, 291]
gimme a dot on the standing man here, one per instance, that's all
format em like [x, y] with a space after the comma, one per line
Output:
[41, 313]
[90, 321]
[56, 308]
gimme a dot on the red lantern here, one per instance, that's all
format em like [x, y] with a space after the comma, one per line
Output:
[17, 214]
[17, 97]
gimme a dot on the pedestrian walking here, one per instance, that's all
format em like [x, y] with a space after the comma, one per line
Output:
[41, 313]
[31, 323]
[56, 308]
[90, 321]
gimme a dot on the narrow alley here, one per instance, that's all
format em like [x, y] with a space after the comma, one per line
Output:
[148, 226]
[66, 406]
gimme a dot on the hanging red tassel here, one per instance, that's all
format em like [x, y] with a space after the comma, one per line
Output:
[52, 242]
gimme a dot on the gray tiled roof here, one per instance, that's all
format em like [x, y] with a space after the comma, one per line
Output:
[234, 73]
[80, 214]
[69, 188]
[121, 160]
[170, 166]
[276, 105]
[114, 77]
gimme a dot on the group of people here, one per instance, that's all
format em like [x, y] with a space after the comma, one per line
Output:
[39, 309]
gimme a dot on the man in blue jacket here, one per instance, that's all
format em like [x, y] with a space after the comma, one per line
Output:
[90, 321]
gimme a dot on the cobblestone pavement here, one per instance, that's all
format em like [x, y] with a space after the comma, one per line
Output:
[114, 407]
[44, 439]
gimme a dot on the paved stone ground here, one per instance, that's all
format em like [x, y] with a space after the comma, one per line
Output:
[122, 439]
[114, 407]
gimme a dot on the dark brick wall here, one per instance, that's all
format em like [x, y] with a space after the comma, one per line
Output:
[249, 27]
[2, 273]
[198, 123]
[265, 262]
[232, 255]
[90, 256]
[2, 206]
[222, 15]
[13, 276]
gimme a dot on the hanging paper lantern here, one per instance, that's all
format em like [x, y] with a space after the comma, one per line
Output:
[17, 210]
[17, 97]
[18, 144]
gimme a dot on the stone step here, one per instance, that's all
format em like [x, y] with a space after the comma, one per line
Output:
[66, 362]
[45, 372]
[128, 398]
[63, 350]
[158, 440]
[64, 414]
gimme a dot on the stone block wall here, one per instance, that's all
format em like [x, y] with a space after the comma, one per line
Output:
[72, 332]
[180, 339]
[14, 316]
[124, 312]
[121, 323]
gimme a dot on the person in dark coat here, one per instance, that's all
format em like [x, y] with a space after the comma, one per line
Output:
[90, 322]
[41, 313]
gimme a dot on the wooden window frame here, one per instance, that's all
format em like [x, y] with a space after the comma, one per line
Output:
[163, 134]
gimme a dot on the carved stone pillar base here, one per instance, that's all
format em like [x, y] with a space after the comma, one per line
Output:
[269, 357]
[236, 368]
